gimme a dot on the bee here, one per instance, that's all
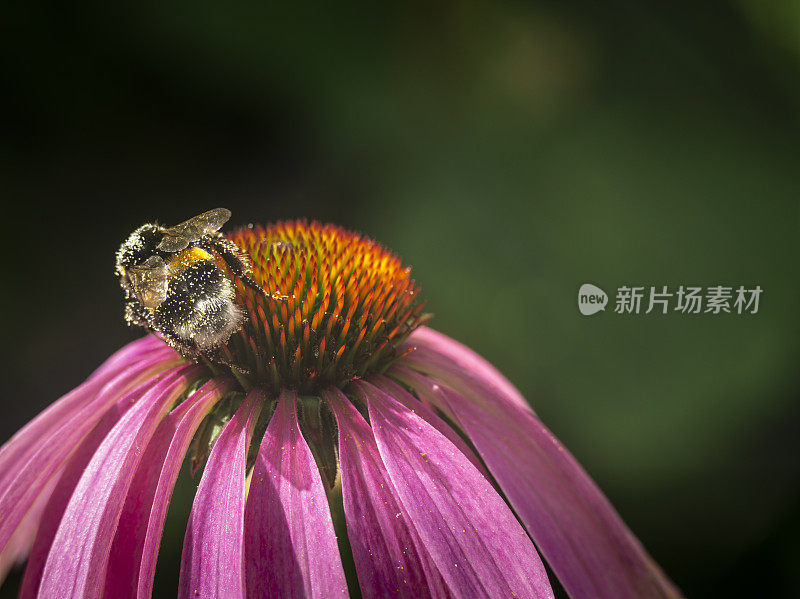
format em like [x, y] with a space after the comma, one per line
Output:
[174, 286]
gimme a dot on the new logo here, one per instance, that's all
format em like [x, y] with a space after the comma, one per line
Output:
[591, 299]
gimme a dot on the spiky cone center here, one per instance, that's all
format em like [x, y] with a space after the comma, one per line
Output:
[336, 307]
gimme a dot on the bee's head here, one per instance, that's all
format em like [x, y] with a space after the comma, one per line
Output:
[141, 268]
[140, 245]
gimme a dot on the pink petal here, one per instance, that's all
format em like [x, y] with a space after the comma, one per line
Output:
[28, 438]
[577, 530]
[133, 557]
[32, 472]
[387, 560]
[19, 545]
[57, 502]
[290, 544]
[412, 403]
[212, 564]
[459, 363]
[471, 534]
[77, 561]
[132, 353]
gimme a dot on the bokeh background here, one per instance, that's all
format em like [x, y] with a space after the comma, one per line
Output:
[509, 151]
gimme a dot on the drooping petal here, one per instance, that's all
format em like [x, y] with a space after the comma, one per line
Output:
[290, 544]
[58, 500]
[474, 539]
[412, 403]
[387, 558]
[18, 449]
[577, 530]
[76, 564]
[19, 544]
[132, 561]
[32, 475]
[459, 365]
[130, 354]
[212, 564]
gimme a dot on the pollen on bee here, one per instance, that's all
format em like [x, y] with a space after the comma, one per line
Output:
[181, 261]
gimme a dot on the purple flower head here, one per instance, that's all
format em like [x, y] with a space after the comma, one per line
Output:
[291, 363]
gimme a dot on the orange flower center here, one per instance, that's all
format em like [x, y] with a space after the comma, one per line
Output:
[336, 306]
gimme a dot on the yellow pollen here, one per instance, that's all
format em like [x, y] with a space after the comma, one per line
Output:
[185, 259]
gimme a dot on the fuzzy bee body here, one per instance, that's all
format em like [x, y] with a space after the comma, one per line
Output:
[175, 287]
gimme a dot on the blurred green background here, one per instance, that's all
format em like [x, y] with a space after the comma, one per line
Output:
[509, 152]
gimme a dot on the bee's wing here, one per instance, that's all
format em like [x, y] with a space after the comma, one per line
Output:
[178, 237]
[149, 281]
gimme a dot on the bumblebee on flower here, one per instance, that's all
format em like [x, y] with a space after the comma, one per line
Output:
[306, 382]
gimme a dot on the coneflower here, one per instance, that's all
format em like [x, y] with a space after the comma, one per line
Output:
[329, 419]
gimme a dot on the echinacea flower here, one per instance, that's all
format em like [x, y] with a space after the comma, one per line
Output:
[332, 421]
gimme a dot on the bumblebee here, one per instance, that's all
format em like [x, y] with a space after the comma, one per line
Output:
[174, 286]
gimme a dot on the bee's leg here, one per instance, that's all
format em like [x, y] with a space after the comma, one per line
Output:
[235, 263]
[229, 254]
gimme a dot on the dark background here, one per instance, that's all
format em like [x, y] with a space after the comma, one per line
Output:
[509, 152]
